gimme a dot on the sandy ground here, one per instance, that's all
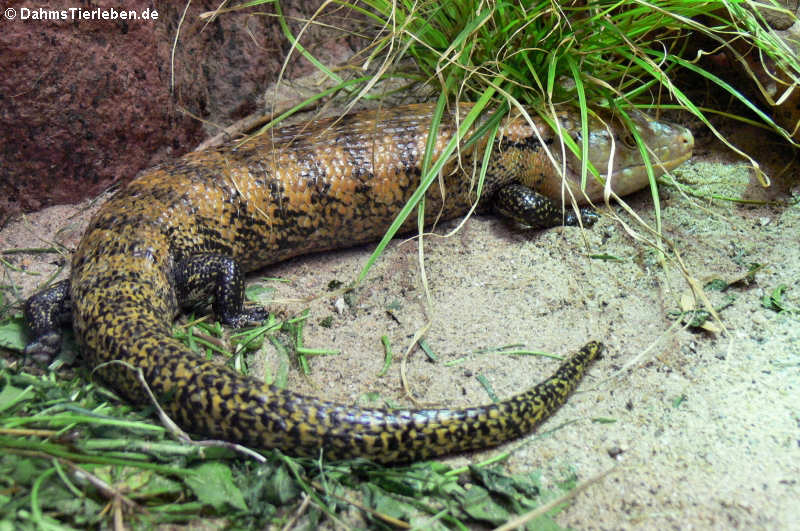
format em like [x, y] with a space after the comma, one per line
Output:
[706, 430]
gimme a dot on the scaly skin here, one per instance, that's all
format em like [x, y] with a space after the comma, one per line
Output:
[190, 227]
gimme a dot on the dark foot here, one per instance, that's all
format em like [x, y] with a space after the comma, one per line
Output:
[533, 210]
[219, 275]
[45, 347]
[45, 312]
[249, 316]
[588, 217]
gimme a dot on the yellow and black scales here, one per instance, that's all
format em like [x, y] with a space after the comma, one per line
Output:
[193, 226]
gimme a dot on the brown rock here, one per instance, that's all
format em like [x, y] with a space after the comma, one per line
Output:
[776, 19]
[87, 103]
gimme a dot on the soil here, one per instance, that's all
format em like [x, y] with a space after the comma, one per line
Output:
[700, 429]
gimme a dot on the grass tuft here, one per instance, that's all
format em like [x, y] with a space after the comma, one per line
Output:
[72, 454]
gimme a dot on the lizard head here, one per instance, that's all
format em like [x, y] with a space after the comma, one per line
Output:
[614, 153]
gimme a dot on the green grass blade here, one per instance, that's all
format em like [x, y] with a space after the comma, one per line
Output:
[426, 181]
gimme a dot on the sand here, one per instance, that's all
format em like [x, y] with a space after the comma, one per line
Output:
[706, 426]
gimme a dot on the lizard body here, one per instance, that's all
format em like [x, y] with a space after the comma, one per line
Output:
[193, 226]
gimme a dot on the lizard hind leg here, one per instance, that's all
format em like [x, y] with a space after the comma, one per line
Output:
[44, 313]
[218, 275]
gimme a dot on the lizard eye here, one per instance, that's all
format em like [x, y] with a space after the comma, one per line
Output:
[628, 140]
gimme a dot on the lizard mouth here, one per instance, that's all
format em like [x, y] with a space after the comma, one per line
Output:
[676, 149]
[669, 146]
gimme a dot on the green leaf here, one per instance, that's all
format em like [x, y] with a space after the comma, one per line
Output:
[10, 395]
[427, 350]
[478, 503]
[544, 523]
[487, 386]
[281, 487]
[149, 484]
[213, 485]
[774, 301]
[494, 480]
[12, 334]
[259, 293]
[716, 285]
[377, 499]
[138, 483]
[387, 357]
[606, 257]
[604, 420]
